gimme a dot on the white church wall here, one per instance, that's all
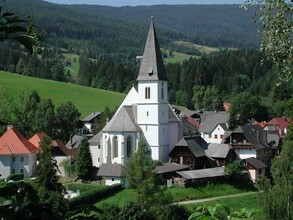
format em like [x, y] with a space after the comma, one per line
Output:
[97, 156]
[154, 96]
[131, 98]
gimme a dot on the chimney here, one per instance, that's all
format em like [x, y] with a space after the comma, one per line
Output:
[9, 126]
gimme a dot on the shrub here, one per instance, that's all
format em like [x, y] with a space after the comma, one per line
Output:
[94, 195]
[15, 177]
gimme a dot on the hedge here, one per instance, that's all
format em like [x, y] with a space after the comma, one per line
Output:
[15, 177]
[94, 195]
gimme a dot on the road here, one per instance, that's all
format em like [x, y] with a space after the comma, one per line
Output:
[212, 198]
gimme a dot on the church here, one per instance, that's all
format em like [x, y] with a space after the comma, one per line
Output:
[145, 114]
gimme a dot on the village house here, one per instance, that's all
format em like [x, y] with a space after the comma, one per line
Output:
[145, 114]
[251, 141]
[59, 151]
[89, 122]
[255, 168]
[278, 124]
[17, 154]
[213, 126]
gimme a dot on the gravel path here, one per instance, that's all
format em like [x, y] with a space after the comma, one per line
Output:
[212, 198]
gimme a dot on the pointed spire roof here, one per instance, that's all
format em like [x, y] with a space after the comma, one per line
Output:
[152, 66]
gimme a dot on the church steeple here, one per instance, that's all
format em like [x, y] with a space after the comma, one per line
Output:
[152, 67]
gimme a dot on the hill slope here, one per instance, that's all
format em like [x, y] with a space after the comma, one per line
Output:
[85, 99]
[118, 34]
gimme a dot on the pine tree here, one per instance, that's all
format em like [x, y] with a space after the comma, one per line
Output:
[140, 172]
[84, 160]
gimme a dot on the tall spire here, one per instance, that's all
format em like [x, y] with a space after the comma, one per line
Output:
[152, 67]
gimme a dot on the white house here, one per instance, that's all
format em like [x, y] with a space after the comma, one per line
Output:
[17, 154]
[214, 126]
[144, 114]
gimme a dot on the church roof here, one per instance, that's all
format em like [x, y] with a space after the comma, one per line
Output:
[152, 66]
[123, 120]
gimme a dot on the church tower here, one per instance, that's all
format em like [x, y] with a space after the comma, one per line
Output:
[152, 106]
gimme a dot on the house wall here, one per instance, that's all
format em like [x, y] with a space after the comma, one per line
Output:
[5, 161]
[97, 156]
[59, 160]
[114, 180]
[215, 136]
[245, 153]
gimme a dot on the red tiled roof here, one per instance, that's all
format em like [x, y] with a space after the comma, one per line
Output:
[226, 106]
[13, 142]
[192, 121]
[282, 122]
[37, 138]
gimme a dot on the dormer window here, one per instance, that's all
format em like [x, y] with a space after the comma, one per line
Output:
[150, 72]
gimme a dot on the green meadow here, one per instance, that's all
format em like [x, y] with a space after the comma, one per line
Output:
[74, 64]
[85, 99]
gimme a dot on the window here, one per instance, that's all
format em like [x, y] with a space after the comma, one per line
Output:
[98, 159]
[21, 159]
[234, 141]
[216, 136]
[259, 171]
[115, 146]
[113, 179]
[244, 141]
[210, 135]
[128, 146]
[147, 113]
[162, 91]
[99, 147]
[13, 159]
[147, 92]
[13, 171]
[21, 170]
[221, 136]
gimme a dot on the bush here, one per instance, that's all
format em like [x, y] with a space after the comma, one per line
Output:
[94, 195]
[15, 177]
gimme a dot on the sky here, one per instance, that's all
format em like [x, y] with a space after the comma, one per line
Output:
[119, 3]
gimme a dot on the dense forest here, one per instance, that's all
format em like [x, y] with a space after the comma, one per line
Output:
[118, 34]
[108, 39]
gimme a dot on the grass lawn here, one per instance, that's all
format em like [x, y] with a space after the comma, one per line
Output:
[74, 65]
[120, 198]
[177, 57]
[251, 201]
[211, 190]
[83, 187]
[85, 99]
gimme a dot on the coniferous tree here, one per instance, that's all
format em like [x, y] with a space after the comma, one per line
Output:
[140, 172]
[50, 190]
[84, 161]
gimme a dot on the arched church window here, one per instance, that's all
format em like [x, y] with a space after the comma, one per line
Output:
[128, 146]
[115, 146]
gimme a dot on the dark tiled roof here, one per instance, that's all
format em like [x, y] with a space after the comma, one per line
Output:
[196, 145]
[188, 128]
[203, 173]
[218, 150]
[212, 119]
[152, 66]
[96, 139]
[74, 141]
[91, 116]
[256, 135]
[257, 164]
[170, 167]
[111, 170]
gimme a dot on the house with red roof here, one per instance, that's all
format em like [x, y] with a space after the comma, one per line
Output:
[59, 151]
[278, 124]
[17, 154]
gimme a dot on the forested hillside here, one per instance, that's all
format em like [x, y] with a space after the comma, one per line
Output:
[118, 34]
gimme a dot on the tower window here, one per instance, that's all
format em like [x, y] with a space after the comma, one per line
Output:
[147, 113]
[147, 92]
[162, 91]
